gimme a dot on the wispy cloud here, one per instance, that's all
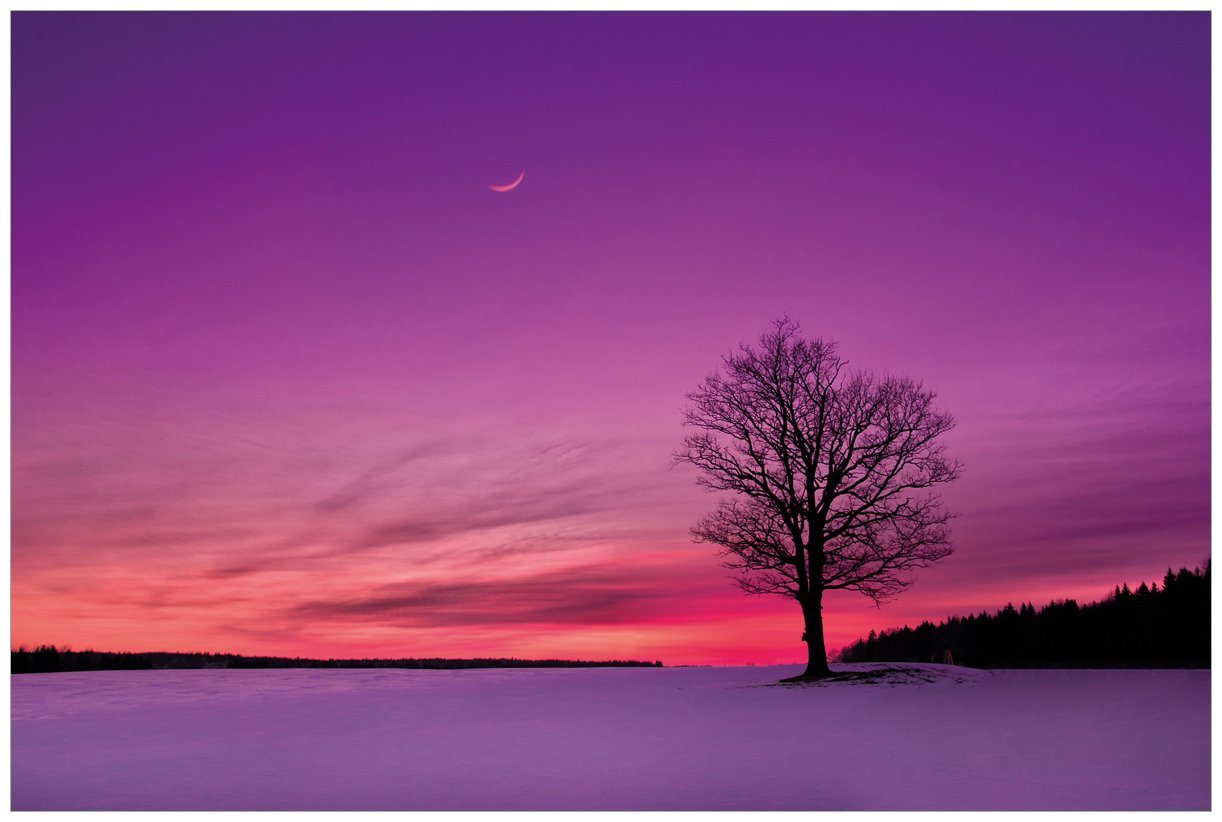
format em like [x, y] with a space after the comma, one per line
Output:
[582, 595]
[381, 478]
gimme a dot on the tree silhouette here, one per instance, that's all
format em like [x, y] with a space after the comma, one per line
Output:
[1154, 627]
[830, 471]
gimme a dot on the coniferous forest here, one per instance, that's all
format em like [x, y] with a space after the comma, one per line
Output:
[1153, 626]
[49, 659]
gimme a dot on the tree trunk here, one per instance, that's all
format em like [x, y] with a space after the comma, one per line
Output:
[816, 650]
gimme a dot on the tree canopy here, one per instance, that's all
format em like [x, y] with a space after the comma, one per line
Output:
[831, 472]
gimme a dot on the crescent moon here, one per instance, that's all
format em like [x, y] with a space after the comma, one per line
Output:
[510, 186]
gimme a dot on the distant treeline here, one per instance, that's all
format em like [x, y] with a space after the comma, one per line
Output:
[1150, 627]
[49, 659]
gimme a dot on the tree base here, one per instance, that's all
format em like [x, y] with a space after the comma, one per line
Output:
[886, 674]
[809, 676]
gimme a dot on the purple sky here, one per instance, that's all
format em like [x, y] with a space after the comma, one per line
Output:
[288, 377]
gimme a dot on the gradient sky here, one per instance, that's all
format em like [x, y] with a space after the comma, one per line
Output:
[288, 378]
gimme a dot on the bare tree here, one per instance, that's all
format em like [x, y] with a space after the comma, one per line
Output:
[830, 471]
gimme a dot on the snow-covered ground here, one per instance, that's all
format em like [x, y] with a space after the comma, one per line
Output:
[652, 738]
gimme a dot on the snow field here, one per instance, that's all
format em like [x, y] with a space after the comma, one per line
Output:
[926, 737]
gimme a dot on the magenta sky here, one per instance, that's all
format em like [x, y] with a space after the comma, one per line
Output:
[288, 378]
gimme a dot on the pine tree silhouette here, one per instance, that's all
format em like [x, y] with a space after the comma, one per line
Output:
[1152, 627]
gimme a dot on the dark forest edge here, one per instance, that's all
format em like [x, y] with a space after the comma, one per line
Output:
[49, 659]
[1149, 627]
